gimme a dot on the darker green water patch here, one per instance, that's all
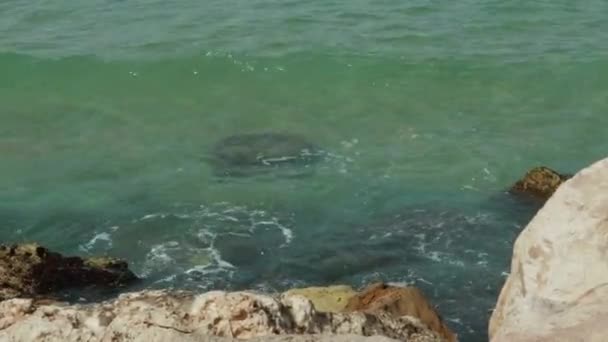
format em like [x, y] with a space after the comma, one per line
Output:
[262, 153]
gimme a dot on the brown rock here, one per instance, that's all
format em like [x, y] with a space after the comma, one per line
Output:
[30, 270]
[540, 182]
[400, 301]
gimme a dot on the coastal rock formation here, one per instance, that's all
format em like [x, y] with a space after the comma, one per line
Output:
[254, 153]
[400, 301]
[540, 182]
[556, 290]
[325, 299]
[162, 316]
[31, 270]
[377, 298]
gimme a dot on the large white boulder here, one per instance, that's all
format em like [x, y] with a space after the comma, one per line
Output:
[558, 286]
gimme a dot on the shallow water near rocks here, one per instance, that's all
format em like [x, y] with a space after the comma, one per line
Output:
[425, 113]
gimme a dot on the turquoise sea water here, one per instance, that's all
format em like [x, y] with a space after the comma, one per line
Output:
[425, 112]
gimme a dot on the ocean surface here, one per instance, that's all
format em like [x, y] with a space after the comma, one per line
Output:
[422, 114]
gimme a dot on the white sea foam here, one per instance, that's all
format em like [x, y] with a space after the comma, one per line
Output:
[422, 280]
[229, 218]
[215, 254]
[287, 233]
[158, 257]
[168, 254]
[168, 279]
[435, 256]
[152, 216]
[455, 320]
[250, 218]
[399, 283]
[101, 237]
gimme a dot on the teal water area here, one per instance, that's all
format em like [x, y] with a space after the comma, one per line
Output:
[423, 113]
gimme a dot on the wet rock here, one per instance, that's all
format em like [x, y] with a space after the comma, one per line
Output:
[556, 290]
[162, 316]
[540, 182]
[400, 301]
[325, 299]
[29, 270]
[255, 153]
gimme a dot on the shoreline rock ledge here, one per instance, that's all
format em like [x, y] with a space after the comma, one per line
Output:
[558, 286]
[161, 316]
[30, 275]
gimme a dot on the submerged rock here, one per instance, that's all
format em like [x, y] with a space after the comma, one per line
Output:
[325, 299]
[254, 153]
[400, 301]
[540, 182]
[556, 290]
[29, 270]
[162, 316]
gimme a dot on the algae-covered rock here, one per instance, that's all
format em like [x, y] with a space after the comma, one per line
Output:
[540, 182]
[325, 299]
[30, 270]
[255, 153]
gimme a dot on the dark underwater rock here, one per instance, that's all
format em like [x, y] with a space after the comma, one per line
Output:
[29, 270]
[539, 182]
[255, 153]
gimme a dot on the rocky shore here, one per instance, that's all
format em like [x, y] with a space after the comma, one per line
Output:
[28, 311]
[555, 291]
[175, 316]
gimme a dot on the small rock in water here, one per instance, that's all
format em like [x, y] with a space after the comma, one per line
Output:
[254, 153]
[29, 270]
[540, 182]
